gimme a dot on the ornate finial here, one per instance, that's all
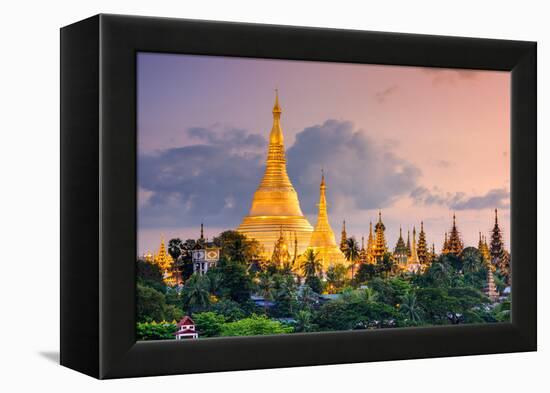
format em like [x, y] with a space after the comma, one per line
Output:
[322, 177]
[276, 107]
[400, 233]
[379, 216]
[344, 226]
[496, 216]
[202, 231]
[454, 219]
[414, 230]
[421, 226]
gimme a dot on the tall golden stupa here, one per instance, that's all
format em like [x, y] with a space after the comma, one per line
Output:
[322, 240]
[275, 206]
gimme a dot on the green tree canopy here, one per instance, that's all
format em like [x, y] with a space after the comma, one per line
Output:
[209, 324]
[254, 326]
[237, 247]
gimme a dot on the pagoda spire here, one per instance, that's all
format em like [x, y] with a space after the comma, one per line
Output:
[322, 239]
[276, 135]
[454, 245]
[370, 244]
[408, 243]
[363, 252]
[422, 247]
[344, 238]
[275, 175]
[490, 289]
[380, 247]
[275, 200]
[202, 232]
[497, 252]
[414, 255]
[323, 225]
[400, 251]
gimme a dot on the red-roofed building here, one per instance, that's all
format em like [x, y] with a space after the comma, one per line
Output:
[186, 329]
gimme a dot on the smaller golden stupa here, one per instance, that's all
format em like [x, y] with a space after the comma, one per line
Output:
[323, 241]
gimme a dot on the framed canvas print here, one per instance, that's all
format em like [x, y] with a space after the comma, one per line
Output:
[295, 196]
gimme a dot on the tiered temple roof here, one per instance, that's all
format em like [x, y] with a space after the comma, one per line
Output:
[422, 248]
[344, 238]
[453, 245]
[413, 264]
[370, 245]
[380, 247]
[400, 251]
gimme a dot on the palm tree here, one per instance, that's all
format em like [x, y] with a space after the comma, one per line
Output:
[215, 279]
[387, 264]
[369, 295]
[307, 297]
[287, 291]
[236, 250]
[175, 248]
[440, 272]
[266, 286]
[409, 308]
[196, 293]
[471, 260]
[352, 253]
[303, 321]
[311, 266]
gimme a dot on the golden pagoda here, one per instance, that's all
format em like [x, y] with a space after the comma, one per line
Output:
[370, 245]
[379, 248]
[400, 252]
[275, 204]
[344, 238]
[483, 249]
[454, 243]
[282, 257]
[163, 259]
[165, 262]
[322, 240]
[413, 264]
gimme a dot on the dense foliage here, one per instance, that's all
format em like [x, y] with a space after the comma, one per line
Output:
[245, 296]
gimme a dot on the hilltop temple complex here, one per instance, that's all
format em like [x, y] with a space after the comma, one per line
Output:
[276, 222]
[275, 205]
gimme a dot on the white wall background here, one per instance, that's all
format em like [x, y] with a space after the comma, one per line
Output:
[29, 219]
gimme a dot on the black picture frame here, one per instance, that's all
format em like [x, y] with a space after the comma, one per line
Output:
[98, 195]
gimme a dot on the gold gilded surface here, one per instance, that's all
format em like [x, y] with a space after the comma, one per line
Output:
[275, 204]
[323, 241]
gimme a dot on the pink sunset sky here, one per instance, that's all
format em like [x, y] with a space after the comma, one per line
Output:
[417, 143]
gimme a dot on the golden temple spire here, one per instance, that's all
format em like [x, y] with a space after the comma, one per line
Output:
[275, 201]
[344, 238]
[322, 240]
[276, 135]
[322, 217]
[276, 107]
